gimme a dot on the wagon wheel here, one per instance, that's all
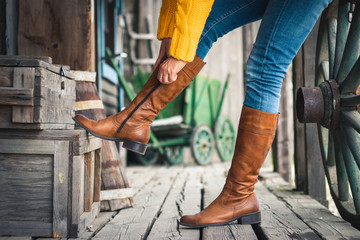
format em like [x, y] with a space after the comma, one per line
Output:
[150, 157]
[225, 138]
[174, 155]
[202, 144]
[333, 105]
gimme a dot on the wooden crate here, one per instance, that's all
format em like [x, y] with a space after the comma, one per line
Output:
[49, 182]
[35, 94]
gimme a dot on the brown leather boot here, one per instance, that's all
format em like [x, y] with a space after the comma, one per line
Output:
[132, 125]
[237, 201]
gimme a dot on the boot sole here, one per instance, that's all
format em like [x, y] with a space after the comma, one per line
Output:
[251, 218]
[128, 144]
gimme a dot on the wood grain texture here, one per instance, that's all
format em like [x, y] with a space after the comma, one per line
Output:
[59, 29]
[77, 196]
[45, 172]
[101, 220]
[37, 84]
[84, 76]
[34, 61]
[61, 189]
[16, 97]
[26, 146]
[184, 198]
[112, 172]
[116, 194]
[23, 78]
[310, 211]
[97, 176]
[133, 223]
[25, 177]
[214, 180]
[89, 162]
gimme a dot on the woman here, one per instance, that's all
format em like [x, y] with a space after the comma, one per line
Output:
[188, 28]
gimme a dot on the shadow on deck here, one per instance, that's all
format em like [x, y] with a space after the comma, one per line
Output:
[162, 194]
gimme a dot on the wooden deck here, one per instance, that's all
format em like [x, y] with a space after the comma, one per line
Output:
[163, 194]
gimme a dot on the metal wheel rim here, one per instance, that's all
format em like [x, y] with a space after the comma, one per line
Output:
[225, 139]
[340, 147]
[174, 155]
[202, 144]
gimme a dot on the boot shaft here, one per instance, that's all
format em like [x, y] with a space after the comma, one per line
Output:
[256, 133]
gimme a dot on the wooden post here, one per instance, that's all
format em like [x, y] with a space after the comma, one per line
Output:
[61, 29]
[281, 145]
[308, 146]
[299, 128]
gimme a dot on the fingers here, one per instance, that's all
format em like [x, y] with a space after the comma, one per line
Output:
[169, 69]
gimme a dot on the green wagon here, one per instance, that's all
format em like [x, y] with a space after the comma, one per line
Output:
[192, 119]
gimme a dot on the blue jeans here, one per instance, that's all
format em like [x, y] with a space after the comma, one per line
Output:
[284, 27]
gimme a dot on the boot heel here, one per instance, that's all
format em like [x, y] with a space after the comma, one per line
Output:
[135, 146]
[252, 218]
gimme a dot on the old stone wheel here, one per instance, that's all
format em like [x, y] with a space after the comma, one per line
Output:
[334, 104]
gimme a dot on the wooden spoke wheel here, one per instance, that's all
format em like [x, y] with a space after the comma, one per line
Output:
[225, 138]
[174, 155]
[333, 104]
[202, 144]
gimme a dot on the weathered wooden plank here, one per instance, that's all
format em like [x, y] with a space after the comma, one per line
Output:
[133, 223]
[214, 180]
[184, 197]
[60, 196]
[25, 177]
[16, 238]
[278, 221]
[84, 76]
[310, 211]
[100, 221]
[88, 217]
[32, 228]
[116, 194]
[77, 194]
[97, 176]
[23, 78]
[41, 126]
[88, 144]
[89, 162]
[110, 100]
[138, 177]
[26, 146]
[16, 96]
[109, 88]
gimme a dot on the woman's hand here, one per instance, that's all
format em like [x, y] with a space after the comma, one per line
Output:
[169, 69]
[164, 52]
[169, 66]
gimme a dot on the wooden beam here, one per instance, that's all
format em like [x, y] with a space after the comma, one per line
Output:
[16, 96]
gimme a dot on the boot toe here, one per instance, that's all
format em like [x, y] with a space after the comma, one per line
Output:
[83, 121]
[189, 220]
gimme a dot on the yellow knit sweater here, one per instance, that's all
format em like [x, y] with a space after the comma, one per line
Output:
[183, 21]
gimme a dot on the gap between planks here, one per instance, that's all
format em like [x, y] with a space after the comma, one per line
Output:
[136, 222]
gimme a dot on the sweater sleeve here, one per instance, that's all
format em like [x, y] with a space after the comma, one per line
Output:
[166, 19]
[190, 18]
